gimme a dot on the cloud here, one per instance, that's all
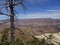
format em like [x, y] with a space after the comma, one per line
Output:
[41, 15]
[44, 15]
[54, 10]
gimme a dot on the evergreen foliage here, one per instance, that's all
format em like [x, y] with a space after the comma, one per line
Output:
[19, 42]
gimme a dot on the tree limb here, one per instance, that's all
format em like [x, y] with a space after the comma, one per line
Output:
[1, 13]
[20, 30]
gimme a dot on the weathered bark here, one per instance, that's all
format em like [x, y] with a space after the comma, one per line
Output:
[12, 22]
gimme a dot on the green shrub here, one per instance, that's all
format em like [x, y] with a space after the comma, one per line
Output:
[19, 42]
[34, 41]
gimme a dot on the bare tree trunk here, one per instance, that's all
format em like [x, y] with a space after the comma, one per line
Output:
[12, 22]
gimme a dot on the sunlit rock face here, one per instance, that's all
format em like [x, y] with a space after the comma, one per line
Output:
[54, 37]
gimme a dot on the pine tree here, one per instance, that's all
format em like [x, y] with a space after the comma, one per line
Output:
[9, 5]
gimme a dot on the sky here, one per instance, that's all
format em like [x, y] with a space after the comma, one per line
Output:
[39, 9]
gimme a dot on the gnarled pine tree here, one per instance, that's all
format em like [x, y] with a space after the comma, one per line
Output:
[10, 6]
